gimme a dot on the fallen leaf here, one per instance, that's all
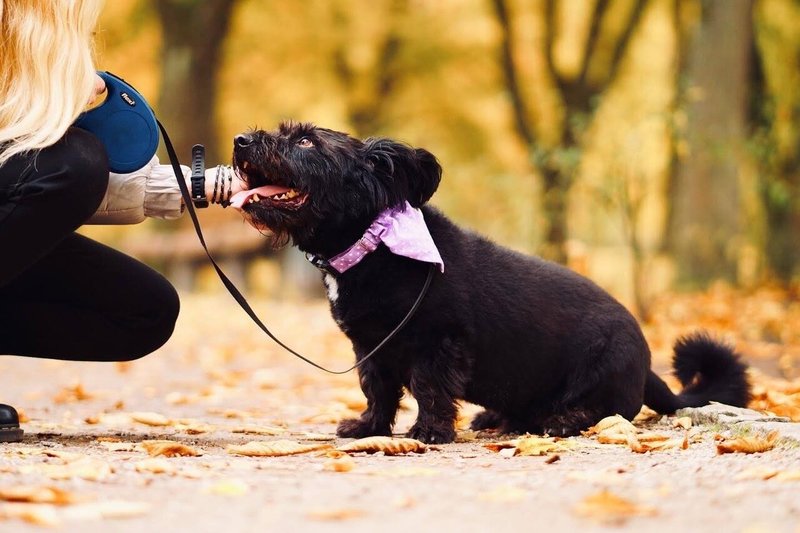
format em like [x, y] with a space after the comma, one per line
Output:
[502, 445]
[168, 448]
[788, 475]
[106, 509]
[336, 513]
[229, 487]
[611, 424]
[387, 445]
[608, 507]
[339, 464]
[87, 468]
[504, 494]
[36, 494]
[151, 419]
[530, 445]
[684, 422]
[253, 429]
[37, 513]
[119, 446]
[155, 465]
[75, 393]
[748, 444]
[273, 448]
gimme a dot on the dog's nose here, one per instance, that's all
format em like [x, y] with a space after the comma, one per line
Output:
[242, 140]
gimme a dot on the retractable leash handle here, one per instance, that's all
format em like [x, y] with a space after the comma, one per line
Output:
[124, 123]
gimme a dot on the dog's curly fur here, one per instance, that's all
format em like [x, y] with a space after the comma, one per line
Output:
[541, 348]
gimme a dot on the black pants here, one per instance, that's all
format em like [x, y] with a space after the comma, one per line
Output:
[62, 295]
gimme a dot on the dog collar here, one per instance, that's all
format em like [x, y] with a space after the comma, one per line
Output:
[401, 228]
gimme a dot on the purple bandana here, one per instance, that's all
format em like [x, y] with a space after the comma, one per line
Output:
[402, 229]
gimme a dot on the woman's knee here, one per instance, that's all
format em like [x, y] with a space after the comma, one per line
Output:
[157, 329]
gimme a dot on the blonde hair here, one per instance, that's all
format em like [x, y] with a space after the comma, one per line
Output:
[46, 70]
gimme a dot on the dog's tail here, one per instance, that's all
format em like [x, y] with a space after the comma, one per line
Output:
[708, 371]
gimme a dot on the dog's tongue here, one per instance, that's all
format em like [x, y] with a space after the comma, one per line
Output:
[242, 197]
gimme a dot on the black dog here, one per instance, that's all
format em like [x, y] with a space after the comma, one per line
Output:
[541, 348]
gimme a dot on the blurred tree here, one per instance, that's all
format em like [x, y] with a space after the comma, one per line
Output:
[705, 226]
[368, 85]
[775, 115]
[556, 155]
[193, 33]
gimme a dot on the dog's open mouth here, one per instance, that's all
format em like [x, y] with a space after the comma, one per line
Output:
[279, 196]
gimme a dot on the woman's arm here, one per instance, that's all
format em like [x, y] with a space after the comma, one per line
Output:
[152, 192]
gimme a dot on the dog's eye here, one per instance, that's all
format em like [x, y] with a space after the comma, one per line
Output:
[305, 142]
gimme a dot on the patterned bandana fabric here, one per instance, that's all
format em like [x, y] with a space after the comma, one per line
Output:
[402, 229]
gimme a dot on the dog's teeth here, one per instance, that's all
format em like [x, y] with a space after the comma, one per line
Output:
[256, 198]
[291, 194]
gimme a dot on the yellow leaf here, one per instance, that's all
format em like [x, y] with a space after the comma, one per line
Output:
[750, 444]
[504, 494]
[274, 448]
[229, 487]
[37, 513]
[611, 424]
[36, 494]
[387, 445]
[151, 419]
[684, 422]
[155, 465]
[605, 506]
[531, 445]
[339, 464]
[168, 448]
[336, 513]
[253, 429]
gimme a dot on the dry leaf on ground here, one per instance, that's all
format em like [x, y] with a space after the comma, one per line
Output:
[748, 444]
[229, 487]
[75, 393]
[608, 507]
[504, 494]
[168, 448]
[336, 513]
[531, 445]
[156, 465]
[387, 445]
[151, 419]
[86, 468]
[274, 448]
[253, 429]
[345, 463]
[34, 513]
[617, 430]
[37, 494]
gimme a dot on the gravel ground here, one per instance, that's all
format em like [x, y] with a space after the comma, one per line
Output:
[223, 381]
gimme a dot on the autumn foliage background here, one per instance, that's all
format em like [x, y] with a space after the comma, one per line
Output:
[652, 145]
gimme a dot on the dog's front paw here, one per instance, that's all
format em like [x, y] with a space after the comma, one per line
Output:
[357, 428]
[440, 434]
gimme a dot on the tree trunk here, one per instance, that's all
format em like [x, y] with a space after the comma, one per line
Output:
[193, 33]
[705, 225]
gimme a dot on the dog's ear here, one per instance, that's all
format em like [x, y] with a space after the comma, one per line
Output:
[409, 173]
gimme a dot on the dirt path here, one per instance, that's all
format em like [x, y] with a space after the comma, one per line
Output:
[235, 381]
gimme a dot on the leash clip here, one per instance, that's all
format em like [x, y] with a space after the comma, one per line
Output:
[199, 176]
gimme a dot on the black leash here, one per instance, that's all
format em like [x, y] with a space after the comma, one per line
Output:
[240, 299]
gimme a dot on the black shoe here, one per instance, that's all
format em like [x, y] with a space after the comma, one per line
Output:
[9, 424]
